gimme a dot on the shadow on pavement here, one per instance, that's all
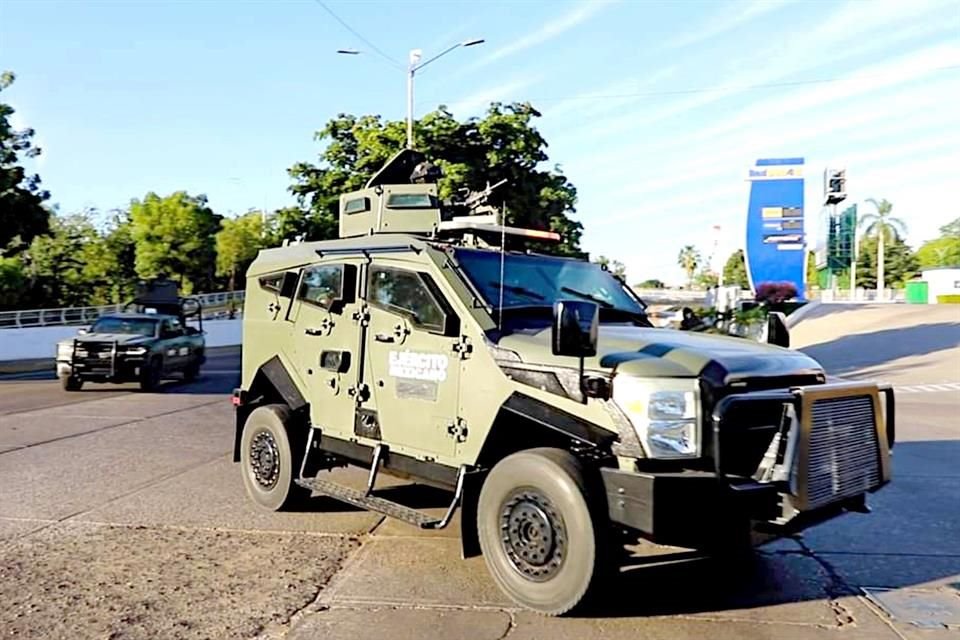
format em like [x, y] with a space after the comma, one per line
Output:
[857, 351]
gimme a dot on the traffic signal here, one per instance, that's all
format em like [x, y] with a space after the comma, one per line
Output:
[834, 186]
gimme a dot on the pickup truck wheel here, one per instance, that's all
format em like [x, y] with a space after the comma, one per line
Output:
[192, 372]
[150, 374]
[269, 463]
[71, 383]
[542, 541]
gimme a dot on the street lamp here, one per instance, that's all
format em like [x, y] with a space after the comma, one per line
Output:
[414, 65]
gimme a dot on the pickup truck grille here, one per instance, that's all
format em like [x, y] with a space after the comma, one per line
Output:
[844, 457]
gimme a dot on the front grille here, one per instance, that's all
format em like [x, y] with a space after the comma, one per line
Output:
[844, 455]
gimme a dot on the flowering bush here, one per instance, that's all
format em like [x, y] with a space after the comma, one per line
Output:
[775, 292]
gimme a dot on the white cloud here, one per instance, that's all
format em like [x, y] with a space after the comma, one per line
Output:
[548, 31]
[727, 19]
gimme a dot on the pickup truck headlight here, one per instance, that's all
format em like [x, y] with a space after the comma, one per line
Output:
[664, 412]
[64, 350]
[135, 351]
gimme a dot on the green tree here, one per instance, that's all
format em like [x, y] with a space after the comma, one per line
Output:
[900, 262]
[55, 262]
[706, 279]
[651, 283]
[22, 213]
[882, 226]
[13, 282]
[174, 236]
[813, 276]
[109, 262]
[943, 251]
[689, 259]
[735, 270]
[238, 242]
[502, 145]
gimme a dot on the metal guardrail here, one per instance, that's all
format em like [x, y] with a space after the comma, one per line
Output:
[214, 306]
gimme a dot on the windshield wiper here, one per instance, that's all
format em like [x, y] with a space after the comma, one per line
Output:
[519, 290]
[599, 301]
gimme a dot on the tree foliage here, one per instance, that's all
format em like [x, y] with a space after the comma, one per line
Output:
[22, 213]
[900, 263]
[238, 242]
[174, 237]
[503, 144]
[689, 259]
[735, 270]
[650, 283]
[943, 251]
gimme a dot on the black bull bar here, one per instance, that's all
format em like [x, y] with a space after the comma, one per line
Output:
[832, 446]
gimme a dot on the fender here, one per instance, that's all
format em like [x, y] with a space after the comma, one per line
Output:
[271, 383]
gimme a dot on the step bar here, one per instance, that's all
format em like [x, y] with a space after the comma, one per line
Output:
[365, 499]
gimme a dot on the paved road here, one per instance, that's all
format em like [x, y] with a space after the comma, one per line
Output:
[121, 513]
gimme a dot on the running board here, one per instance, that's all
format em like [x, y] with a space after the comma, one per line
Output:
[363, 499]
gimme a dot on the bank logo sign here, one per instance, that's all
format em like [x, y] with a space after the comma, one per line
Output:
[776, 172]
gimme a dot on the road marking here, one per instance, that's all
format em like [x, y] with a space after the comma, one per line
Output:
[951, 387]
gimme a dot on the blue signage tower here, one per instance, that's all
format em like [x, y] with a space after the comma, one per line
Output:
[775, 235]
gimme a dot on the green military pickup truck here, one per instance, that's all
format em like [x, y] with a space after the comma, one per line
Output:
[144, 346]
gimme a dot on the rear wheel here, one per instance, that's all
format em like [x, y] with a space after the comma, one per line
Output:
[71, 383]
[270, 464]
[542, 530]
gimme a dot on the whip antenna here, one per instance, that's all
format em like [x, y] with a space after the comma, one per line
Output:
[503, 242]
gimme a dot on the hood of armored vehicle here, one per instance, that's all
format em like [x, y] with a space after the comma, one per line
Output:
[669, 353]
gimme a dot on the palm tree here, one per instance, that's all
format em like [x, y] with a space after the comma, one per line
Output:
[689, 260]
[883, 225]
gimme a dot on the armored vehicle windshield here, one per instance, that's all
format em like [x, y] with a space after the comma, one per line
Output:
[540, 281]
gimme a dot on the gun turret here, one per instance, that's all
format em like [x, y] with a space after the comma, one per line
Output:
[480, 197]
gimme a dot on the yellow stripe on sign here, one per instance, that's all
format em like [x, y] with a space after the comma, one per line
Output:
[771, 212]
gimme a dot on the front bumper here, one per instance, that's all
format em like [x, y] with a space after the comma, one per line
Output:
[121, 368]
[831, 447]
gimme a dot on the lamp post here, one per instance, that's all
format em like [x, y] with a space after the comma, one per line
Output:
[414, 65]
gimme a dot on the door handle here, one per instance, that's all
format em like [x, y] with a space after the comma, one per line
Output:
[382, 337]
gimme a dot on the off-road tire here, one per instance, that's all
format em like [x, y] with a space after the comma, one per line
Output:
[151, 374]
[71, 383]
[558, 486]
[192, 372]
[266, 442]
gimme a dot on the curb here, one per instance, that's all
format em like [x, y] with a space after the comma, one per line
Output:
[49, 364]
[798, 315]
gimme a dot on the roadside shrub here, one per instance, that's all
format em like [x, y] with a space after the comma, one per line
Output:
[775, 292]
[948, 298]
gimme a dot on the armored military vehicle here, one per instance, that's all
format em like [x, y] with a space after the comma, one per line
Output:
[148, 341]
[428, 343]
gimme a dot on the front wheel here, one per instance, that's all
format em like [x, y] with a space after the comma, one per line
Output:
[151, 374]
[192, 372]
[543, 542]
[71, 383]
[269, 462]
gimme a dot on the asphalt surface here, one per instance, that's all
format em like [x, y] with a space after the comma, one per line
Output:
[121, 515]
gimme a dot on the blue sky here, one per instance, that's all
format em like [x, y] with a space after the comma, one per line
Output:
[654, 110]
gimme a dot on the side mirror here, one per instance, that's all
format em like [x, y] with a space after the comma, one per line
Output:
[288, 287]
[776, 331]
[575, 326]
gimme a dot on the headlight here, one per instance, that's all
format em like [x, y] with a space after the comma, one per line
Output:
[135, 351]
[666, 419]
[64, 349]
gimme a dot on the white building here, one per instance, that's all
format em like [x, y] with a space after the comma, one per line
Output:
[941, 281]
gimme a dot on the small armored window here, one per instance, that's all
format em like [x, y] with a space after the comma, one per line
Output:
[357, 205]
[271, 282]
[411, 201]
[410, 294]
[322, 285]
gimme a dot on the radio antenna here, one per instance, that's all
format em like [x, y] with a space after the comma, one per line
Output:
[503, 242]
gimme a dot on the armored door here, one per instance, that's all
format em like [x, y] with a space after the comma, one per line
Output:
[325, 340]
[413, 368]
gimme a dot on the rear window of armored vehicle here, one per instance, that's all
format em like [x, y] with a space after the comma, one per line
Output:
[427, 342]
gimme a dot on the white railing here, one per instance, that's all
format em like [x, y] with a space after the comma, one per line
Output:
[863, 295]
[215, 305]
